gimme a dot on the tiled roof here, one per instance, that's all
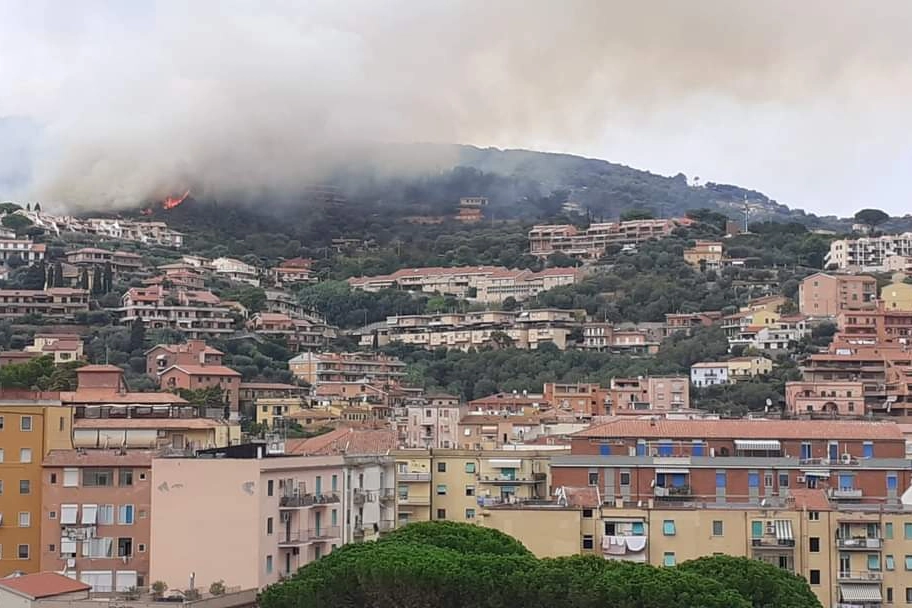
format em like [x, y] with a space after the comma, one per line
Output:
[709, 364]
[98, 458]
[92, 369]
[496, 418]
[743, 429]
[107, 395]
[812, 500]
[146, 423]
[586, 497]
[204, 370]
[61, 345]
[269, 386]
[345, 440]
[43, 584]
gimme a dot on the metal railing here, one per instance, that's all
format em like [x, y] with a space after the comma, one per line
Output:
[315, 534]
[414, 476]
[860, 575]
[295, 537]
[859, 543]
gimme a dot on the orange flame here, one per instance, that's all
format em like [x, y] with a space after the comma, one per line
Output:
[171, 202]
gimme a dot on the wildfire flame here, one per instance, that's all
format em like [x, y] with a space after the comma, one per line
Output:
[172, 202]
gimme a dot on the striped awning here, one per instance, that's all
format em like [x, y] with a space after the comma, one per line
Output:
[817, 473]
[757, 444]
[859, 592]
[784, 530]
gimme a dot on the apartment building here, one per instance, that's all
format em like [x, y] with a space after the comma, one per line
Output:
[148, 232]
[896, 296]
[850, 555]
[276, 513]
[56, 302]
[686, 322]
[293, 272]
[825, 295]
[781, 335]
[878, 325]
[196, 377]
[251, 392]
[456, 485]
[471, 209]
[606, 337]
[433, 422]
[193, 352]
[868, 254]
[591, 243]
[299, 334]
[316, 368]
[236, 270]
[31, 425]
[95, 517]
[737, 460]
[24, 249]
[65, 348]
[584, 399]
[494, 431]
[643, 394]
[706, 255]
[709, 373]
[196, 313]
[120, 261]
[844, 398]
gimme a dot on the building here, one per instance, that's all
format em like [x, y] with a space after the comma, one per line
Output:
[293, 272]
[897, 296]
[32, 590]
[706, 255]
[709, 373]
[95, 517]
[471, 209]
[276, 513]
[27, 251]
[675, 322]
[585, 400]
[236, 270]
[65, 348]
[433, 422]
[56, 302]
[457, 485]
[495, 431]
[30, 426]
[745, 368]
[878, 325]
[649, 393]
[120, 261]
[193, 352]
[825, 295]
[316, 368]
[197, 377]
[591, 243]
[299, 334]
[868, 254]
[197, 314]
[606, 337]
[251, 392]
[148, 232]
[843, 398]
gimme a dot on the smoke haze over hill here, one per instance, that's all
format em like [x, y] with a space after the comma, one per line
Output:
[135, 100]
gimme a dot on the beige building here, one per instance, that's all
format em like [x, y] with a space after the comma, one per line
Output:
[743, 368]
[825, 295]
[705, 254]
[591, 242]
[897, 296]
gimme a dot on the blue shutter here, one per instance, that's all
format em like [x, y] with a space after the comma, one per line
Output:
[605, 450]
[697, 449]
[641, 449]
[868, 450]
[720, 480]
[753, 480]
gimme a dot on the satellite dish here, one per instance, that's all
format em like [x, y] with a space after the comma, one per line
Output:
[769, 402]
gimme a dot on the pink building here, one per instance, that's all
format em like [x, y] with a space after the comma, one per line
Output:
[828, 397]
[245, 519]
[434, 423]
[95, 516]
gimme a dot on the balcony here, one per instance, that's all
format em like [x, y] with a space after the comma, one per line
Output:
[678, 493]
[296, 502]
[323, 534]
[325, 499]
[359, 497]
[845, 493]
[866, 576]
[415, 501]
[859, 543]
[772, 543]
[512, 481]
[387, 494]
[294, 538]
[414, 477]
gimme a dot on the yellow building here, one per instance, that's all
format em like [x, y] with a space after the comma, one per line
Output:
[28, 431]
[271, 409]
[850, 555]
[456, 484]
[897, 296]
[741, 368]
[707, 254]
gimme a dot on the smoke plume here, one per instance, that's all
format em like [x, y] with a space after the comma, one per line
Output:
[145, 100]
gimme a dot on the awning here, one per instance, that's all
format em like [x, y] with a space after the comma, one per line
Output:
[505, 463]
[816, 473]
[672, 471]
[859, 592]
[784, 530]
[757, 444]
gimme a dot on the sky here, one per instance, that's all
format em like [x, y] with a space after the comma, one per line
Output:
[805, 101]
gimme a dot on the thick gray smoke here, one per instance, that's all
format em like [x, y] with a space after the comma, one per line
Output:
[137, 100]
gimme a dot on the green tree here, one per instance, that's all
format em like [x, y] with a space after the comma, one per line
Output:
[872, 218]
[97, 282]
[638, 213]
[58, 275]
[763, 584]
[84, 279]
[107, 278]
[16, 222]
[137, 335]
[15, 261]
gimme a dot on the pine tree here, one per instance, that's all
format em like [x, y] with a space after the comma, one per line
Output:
[49, 278]
[108, 278]
[37, 207]
[137, 335]
[97, 285]
[84, 279]
[58, 275]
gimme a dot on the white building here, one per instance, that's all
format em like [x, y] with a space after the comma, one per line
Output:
[869, 253]
[236, 270]
[709, 373]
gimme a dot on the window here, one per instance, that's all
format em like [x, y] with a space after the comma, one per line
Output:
[470, 467]
[888, 530]
[441, 513]
[25, 486]
[1, 423]
[889, 595]
[52, 547]
[125, 515]
[625, 479]
[813, 515]
[889, 562]
[815, 577]
[909, 595]
[470, 490]
[753, 480]
[783, 480]
[873, 562]
[668, 527]
[53, 478]
[70, 478]
[587, 513]
[907, 530]
[868, 450]
[105, 515]
[126, 478]
[334, 483]
[593, 478]
[270, 489]
[141, 548]
[669, 559]
[720, 480]
[892, 482]
[814, 544]
[441, 489]
[25, 424]
[68, 514]
[268, 564]
[124, 547]
[52, 514]
[718, 528]
[441, 467]
[756, 528]
[22, 551]
[768, 480]
[97, 477]
[25, 519]
[470, 513]
[1, 454]
[588, 543]
[268, 525]
[25, 455]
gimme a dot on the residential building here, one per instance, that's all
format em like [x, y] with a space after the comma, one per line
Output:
[744, 368]
[276, 513]
[315, 368]
[31, 425]
[843, 398]
[65, 348]
[36, 590]
[868, 254]
[875, 326]
[494, 431]
[193, 352]
[605, 337]
[120, 261]
[95, 516]
[510, 403]
[781, 335]
[24, 249]
[743, 325]
[251, 392]
[433, 422]
[196, 313]
[148, 232]
[55, 302]
[236, 270]
[471, 209]
[898, 263]
[675, 322]
[650, 393]
[826, 295]
[277, 412]
[293, 272]
[706, 255]
[585, 400]
[457, 485]
[709, 373]
[299, 334]
[591, 243]
[897, 296]
[196, 377]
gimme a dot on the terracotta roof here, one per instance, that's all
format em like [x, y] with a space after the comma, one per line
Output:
[98, 458]
[496, 418]
[746, 429]
[270, 386]
[587, 497]
[59, 336]
[43, 584]
[812, 500]
[273, 316]
[313, 413]
[184, 348]
[92, 369]
[203, 370]
[709, 364]
[345, 440]
[62, 345]
[146, 423]
[107, 395]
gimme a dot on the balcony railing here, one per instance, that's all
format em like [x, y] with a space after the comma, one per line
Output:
[295, 537]
[322, 534]
[859, 543]
[507, 480]
[673, 493]
[325, 499]
[860, 575]
[414, 477]
[414, 500]
[843, 493]
[359, 497]
[296, 502]
[387, 494]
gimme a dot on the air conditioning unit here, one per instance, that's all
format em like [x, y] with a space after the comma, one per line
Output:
[285, 516]
[800, 479]
[653, 451]
[770, 527]
[846, 458]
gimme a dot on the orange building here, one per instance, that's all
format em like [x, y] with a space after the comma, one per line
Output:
[825, 295]
[196, 377]
[193, 352]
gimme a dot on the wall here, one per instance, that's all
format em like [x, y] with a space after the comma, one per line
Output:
[526, 526]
